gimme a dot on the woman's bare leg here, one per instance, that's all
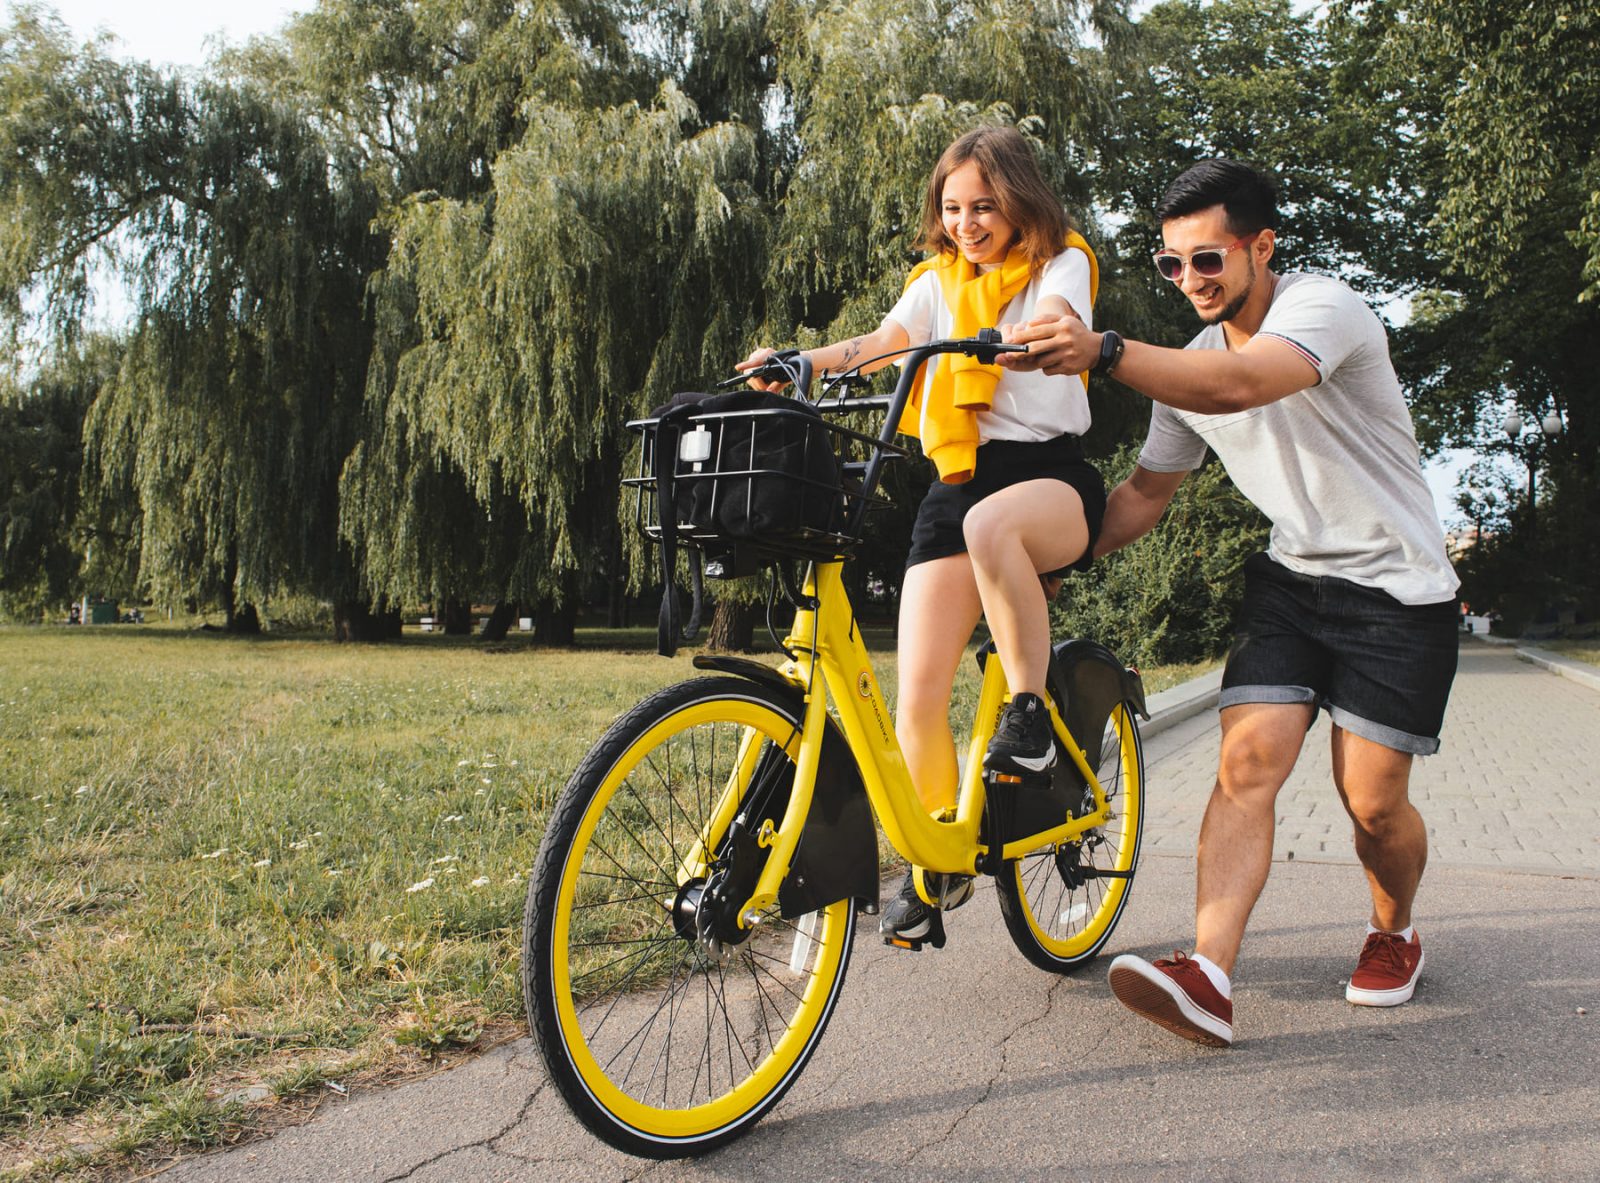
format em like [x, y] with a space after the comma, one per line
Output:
[939, 608]
[1012, 537]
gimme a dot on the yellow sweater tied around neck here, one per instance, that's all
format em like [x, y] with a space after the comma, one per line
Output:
[945, 415]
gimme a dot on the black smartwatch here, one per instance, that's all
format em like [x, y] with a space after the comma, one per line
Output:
[1111, 346]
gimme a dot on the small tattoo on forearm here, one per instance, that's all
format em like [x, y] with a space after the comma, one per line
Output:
[852, 348]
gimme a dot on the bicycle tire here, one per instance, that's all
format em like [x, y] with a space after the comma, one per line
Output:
[1061, 903]
[658, 1047]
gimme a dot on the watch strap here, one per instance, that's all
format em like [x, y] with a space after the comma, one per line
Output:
[1111, 347]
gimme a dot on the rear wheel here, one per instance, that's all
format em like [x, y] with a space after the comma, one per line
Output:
[669, 1028]
[1061, 903]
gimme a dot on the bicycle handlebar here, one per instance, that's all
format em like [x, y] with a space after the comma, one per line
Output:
[790, 365]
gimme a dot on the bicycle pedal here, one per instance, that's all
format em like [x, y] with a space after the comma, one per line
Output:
[934, 936]
[1031, 780]
[915, 944]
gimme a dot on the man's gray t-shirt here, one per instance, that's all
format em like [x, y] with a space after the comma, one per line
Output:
[1335, 467]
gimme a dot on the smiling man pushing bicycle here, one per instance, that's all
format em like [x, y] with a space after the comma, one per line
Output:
[1351, 609]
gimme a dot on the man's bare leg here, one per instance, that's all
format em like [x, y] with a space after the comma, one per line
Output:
[1391, 838]
[1260, 743]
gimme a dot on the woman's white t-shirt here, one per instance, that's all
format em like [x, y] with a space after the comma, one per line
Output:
[1027, 406]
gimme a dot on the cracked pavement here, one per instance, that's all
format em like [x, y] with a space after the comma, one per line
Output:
[968, 1063]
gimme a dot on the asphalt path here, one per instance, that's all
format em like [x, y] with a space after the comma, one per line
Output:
[967, 1063]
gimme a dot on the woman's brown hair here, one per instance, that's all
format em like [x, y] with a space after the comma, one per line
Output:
[1010, 170]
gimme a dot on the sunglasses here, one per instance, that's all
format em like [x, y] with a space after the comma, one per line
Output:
[1207, 264]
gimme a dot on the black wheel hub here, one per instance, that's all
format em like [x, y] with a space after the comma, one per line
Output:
[686, 907]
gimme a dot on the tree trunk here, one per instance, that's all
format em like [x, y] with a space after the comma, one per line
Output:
[243, 622]
[354, 620]
[240, 621]
[732, 628]
[617, 588]
[499, 622]
[457, 618]
[557, 626]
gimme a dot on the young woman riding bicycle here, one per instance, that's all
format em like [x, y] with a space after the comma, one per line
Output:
[1015, 499]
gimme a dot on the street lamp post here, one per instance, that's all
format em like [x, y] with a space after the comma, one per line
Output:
[1549, 427]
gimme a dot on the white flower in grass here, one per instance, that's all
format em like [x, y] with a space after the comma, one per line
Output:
[301, 845]
[449, 858]
[80, 790]
[486, 780]
[262, 862]
[333, 872]
[480, 881]
[420, 886]
[454, 817]
[462, 763]
[217, 853]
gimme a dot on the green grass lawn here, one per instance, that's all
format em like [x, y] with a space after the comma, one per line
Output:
[268, 863]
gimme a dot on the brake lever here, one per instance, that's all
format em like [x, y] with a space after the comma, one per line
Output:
[774, 368]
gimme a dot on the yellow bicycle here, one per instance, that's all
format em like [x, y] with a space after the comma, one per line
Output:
[693, 906]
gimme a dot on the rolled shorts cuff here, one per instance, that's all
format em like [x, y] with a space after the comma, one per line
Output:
[1233, 696]
[1389, 737]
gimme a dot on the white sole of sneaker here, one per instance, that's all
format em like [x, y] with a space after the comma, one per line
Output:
[1146, 991]
[1034, 764]
[1360, 997]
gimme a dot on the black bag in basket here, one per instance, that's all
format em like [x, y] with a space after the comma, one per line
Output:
[764, 476]
[785, 474]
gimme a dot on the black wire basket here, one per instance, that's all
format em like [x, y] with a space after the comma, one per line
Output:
[756, 476]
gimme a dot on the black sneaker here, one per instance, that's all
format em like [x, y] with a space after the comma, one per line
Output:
[908, 917]
[1023, 744]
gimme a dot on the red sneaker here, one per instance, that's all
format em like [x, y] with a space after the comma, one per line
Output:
[1176, 994]
[1387, 970]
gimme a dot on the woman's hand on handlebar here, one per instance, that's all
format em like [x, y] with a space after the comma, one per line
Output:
[755, 361]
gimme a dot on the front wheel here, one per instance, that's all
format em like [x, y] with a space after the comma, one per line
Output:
[1061, 903]
[669, 1028]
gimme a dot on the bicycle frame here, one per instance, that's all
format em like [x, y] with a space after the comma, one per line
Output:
[825, 641]
[830, 662]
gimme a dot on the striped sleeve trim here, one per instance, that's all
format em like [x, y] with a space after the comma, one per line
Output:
[1297, 347]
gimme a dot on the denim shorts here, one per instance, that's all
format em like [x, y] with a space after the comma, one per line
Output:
[1381, 669]
[1001, 464]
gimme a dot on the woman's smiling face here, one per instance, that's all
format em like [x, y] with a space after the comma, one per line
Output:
[972, 217]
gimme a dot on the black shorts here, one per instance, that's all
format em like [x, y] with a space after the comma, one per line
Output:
[1002, 463]
[1380, 668]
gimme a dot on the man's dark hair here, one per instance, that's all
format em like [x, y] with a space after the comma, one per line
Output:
[1249, 195]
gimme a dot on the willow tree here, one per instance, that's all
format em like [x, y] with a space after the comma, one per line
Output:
[243, 244]
[54, 543]
[613, 244]
[573, 297]
[428, 94]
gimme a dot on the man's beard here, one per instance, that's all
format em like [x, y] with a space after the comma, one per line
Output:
[1231, 308]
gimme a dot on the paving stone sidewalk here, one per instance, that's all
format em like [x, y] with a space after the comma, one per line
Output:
[1515, 784]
